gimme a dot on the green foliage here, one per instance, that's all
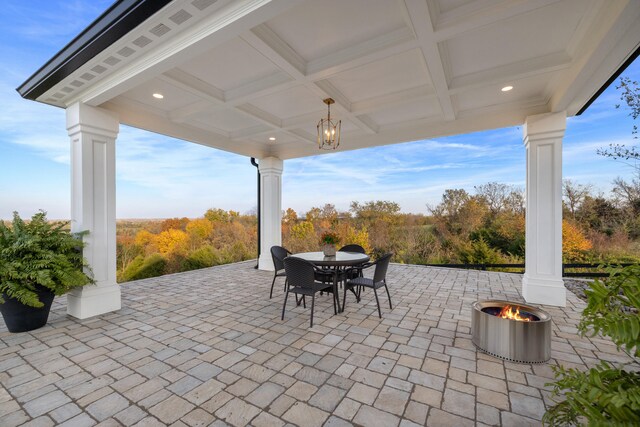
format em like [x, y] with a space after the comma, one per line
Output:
[217, 215]
[329, 238]
[479, 252]
[143, 268]
[203, 257]
[39, 254]
[613, 306]
[131, 269]
[606, 394]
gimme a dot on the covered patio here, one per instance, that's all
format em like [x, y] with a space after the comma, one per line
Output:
[250, 77]
[208, 347]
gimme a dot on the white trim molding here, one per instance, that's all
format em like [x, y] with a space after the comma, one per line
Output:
[270, 209]
[542, 282]
[93, 133]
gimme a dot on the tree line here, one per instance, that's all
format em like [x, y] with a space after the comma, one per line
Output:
[483, 226]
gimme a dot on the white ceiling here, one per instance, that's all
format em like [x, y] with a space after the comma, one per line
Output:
[234, 73]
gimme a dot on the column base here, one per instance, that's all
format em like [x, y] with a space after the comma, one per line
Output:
[265, 262]
[544, 291]
[93, 300]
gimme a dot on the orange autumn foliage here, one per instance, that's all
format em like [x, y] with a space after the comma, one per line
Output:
[172, 241]
[574, 242]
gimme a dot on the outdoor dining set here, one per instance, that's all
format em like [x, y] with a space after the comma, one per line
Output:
[309, 273]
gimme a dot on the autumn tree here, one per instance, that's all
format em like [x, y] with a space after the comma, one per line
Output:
[217, 215]
[574, 194]
[172, 241]
[198, 230]
[631, 97]
[174, 223]
[289, 216]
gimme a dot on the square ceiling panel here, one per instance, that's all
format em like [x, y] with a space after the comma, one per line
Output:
[316, 29]
[230, 65]
[226, 120]
[445, 6]
[543, 31]
[173, 98]
[412, 110]
[403, 71]
[532, 90]
[280, 138]
[290, 103]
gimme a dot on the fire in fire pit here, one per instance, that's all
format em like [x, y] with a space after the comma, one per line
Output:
[507, 312]
[514, 332]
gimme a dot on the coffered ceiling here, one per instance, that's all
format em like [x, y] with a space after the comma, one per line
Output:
[235, 73]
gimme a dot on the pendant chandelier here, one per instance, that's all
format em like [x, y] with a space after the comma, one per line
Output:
[328, 130]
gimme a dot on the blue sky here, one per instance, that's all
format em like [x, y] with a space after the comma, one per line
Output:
[161, 177]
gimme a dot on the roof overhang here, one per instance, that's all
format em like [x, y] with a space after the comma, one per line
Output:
[234, 73]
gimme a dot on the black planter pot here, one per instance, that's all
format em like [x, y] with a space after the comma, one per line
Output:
[22, 318]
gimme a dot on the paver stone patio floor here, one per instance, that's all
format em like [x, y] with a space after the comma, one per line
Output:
[207, 347]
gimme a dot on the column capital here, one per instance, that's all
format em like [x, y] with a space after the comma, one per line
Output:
[270, 165]
[544, 126]
[85, 118]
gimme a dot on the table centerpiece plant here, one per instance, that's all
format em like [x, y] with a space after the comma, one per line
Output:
[38, 260]
[329, 240]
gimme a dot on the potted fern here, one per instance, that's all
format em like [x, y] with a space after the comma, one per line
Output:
[38, 260]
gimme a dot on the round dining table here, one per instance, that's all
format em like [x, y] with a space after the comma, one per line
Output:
[340, 260]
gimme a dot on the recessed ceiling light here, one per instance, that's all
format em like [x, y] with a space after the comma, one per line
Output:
[507, 88]
[272, 138]
[158, 95]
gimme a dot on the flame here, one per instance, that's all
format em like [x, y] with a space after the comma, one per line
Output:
[508, 313]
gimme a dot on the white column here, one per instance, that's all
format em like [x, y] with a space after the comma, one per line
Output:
[93, 133]
[270, 209]
[542, 282]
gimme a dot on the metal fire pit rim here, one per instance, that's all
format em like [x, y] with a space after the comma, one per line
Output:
[484, 325]
[538, 312]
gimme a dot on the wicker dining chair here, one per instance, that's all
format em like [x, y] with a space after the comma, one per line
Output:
[278, 254]
[379, 280]
[352, 248]
[353, 272]
[301, 278]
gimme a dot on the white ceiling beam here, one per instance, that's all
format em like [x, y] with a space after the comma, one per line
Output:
[383, 102]
[420, 20]
[193, 85]
[282, 55]
[343, 105]
[615, 34]
[374, 49]
[260, 115]
[276, 50]
[418, 130]
[226, 23]
[212, 97]
[271, 84]
[267, 119]
[250, 131]
[367, 106]
[477, 14]
[509, 73]
[144, 119]
[181, 115]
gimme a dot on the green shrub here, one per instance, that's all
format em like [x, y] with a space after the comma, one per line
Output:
[606, 394]
[479, 252]
[143, 268]
[39, 254]
[203, 257]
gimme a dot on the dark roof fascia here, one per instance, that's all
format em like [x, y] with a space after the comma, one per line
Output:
[121, 18]
[615, 75]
